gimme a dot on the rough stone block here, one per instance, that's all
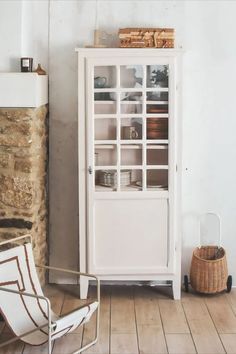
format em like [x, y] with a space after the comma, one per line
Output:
[16, 192]
[24, 152]
[23, 128]
[17, 114]
[23, 165]
[23, 213]
[4, 160]
[15, 140]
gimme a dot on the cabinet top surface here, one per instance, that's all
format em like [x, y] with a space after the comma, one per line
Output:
[143, 51]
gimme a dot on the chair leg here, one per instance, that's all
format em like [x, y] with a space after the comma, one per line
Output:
[49, 337]
[96, 335]
[49, 346]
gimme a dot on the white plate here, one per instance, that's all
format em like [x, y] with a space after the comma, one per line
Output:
[159, 186]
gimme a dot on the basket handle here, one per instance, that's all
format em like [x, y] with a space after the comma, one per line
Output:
[219, 227]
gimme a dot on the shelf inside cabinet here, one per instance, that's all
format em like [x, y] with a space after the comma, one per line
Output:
[157, 167]
[131, 102]
[104, 89]
[103, 167]
[112, 146]
[157, 147]
[104, 102]
[127, 144]
[157, 89]
[130, 188]
[105, 147]
[157, 102]
[131, 167]
[131, 146]
[130, 142]
[105, 116]
[157, 115]
[156, 141]
[105, 142]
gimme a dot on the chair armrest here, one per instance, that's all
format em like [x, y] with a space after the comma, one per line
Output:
[23, 293]
[76, 273]
[68, 271]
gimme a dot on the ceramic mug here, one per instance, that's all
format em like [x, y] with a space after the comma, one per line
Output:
[129, 133]
[100, 82]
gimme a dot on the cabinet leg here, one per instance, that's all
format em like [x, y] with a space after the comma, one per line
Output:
[84, 283]
[176, 288]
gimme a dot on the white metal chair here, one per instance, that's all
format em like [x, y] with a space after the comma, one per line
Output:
[24, 307]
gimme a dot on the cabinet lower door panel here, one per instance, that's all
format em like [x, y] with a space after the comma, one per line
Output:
[129, 237]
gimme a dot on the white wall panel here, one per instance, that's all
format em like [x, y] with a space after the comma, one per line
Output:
[206, 31]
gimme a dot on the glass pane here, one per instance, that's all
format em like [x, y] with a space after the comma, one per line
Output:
[131, 180]
[105, 103]
[157, 96]
[131, 128]
[157, 76]
[105, 155]
[131, 155]
[105, 180]
[105, 129]
[157, 179]
[104, 77]
[157, 101]
[131, 76]
[157, 155]
[157, 128]
[131, 102]
[158, 107]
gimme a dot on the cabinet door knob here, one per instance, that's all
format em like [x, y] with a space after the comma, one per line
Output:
[90, 171]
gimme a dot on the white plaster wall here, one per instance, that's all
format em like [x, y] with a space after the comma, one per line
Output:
[206, 31]
[10, 35]
[209, 144]
[23, 32]
[35, 35]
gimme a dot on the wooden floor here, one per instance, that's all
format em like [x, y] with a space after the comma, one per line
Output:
[145, 320]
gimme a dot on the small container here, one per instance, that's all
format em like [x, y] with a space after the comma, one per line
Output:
[26, 65]
[40, 71]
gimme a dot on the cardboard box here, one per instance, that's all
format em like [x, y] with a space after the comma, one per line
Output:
[146, 37]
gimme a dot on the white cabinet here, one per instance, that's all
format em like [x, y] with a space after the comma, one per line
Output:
[129, 126]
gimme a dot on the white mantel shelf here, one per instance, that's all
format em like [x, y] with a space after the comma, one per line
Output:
[23, 90]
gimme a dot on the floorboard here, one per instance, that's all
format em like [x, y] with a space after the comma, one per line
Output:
[151, 338]
[205, 336]
[143, 320]
[221, 314]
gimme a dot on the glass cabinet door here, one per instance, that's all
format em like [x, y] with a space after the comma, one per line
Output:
[131, 127]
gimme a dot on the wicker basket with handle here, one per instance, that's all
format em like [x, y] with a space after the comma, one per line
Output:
[208, 272]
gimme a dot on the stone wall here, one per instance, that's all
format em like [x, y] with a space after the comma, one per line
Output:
[23, 177]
